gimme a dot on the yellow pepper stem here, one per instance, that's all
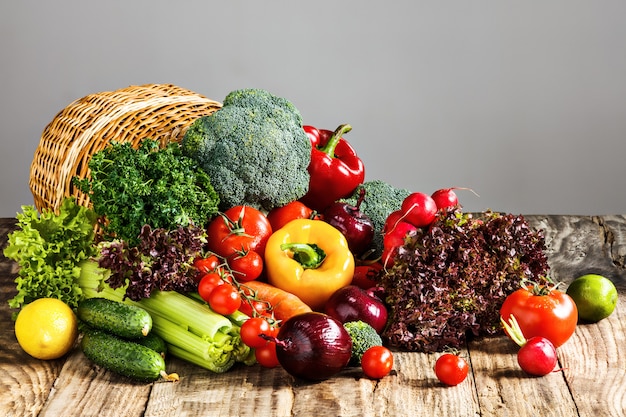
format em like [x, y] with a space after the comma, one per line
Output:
[309, 255]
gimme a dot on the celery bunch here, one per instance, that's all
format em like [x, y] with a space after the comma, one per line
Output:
[192, 331]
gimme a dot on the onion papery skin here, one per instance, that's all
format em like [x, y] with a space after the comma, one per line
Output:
[313, 346]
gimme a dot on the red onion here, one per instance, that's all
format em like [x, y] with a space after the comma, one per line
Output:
[352, 303]
[313, 346]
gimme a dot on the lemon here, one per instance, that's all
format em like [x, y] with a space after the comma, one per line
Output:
[595, 297]
[46, 328]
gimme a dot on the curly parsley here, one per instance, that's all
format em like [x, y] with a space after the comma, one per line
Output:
[149, 185]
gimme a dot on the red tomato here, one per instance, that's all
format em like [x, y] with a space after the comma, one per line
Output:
[252, 329]
[542, 311]
[253, 308]
[364, 275]
[206, 265]
[224, 299]
[266, 355]
[419, 209]
[240, 228]
[377, 362]
[451, 369]
[246, 266]
[280, 216]
[207, 284]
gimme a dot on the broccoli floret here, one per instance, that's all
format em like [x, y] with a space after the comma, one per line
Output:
[363, 337]
[254, 149]
[381, 199]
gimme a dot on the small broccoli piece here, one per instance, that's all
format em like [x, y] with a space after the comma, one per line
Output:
[381, 199]
[363, 337]
[254, 149]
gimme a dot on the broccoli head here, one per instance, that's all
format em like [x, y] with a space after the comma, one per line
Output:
[363, 337]
[254, 150]
[381, 199]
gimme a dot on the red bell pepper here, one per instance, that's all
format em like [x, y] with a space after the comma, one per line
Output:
[335, 168]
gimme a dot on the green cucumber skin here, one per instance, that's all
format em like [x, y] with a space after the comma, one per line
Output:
[122, 356]
[153, 342]
[123, 320]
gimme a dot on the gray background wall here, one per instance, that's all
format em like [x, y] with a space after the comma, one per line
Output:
[524, 102]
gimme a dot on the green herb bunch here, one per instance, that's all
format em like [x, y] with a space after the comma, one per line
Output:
[152, 185]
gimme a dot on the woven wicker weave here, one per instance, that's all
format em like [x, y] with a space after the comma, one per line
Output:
[158, 111]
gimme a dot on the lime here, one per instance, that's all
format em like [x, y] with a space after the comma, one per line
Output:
[46, 328]
[595, 297]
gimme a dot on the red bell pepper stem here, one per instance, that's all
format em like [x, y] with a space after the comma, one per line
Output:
[329, 148]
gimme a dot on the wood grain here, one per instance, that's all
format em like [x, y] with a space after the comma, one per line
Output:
[590, 379]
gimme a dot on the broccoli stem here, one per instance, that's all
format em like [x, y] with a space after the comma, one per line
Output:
[309, 255]
[330, 146]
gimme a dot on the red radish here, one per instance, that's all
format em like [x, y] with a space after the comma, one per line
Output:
[445, 197]
[537, 355]
[393, 239]
[393, 218]
[419, 209]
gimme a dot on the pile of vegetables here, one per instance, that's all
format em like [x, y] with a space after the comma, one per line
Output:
[257, 239]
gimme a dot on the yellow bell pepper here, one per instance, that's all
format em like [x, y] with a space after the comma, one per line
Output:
[310, 259]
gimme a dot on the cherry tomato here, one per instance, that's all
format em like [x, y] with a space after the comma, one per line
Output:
[266, 355]
[206, 265]
[207, 284]
[224, 299]
[240, 228]
[252, 329]
[542, 311]
[419, 209]
[451, 369]
[280, 216]
[377, 362]
[364, 275]
[246, 266]
[254, 308]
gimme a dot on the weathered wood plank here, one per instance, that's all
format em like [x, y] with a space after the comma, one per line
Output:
[592, 382]
[25, 382]
[594, 363]
[504, 389]
[94, 391]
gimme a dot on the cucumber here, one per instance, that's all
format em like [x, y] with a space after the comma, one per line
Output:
[124, 357]
[123, 320]
[153, 342]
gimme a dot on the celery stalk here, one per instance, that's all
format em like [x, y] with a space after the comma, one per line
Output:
[192, 331]
[214, 355]
[197, 360]
[198, 318]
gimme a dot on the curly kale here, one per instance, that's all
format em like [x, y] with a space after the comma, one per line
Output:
[254, 149]
[381, 199]
[150, 185]
[450, 279]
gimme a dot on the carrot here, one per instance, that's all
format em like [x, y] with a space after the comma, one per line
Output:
[284, 304]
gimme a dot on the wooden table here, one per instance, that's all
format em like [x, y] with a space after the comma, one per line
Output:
[591, 383]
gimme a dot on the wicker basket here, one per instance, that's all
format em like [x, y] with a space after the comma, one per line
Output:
[158, 111]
